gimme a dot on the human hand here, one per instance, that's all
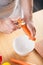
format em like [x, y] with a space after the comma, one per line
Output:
[7, 26]
[28, 28]
[27, 12]
[32, 29]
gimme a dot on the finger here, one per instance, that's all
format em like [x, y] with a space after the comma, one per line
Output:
[32, 29]
[15, 24]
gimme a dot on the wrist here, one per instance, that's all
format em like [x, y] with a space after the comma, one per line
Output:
[28, 18]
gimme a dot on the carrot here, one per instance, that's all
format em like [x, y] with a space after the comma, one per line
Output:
[20, 62]
[26, 30]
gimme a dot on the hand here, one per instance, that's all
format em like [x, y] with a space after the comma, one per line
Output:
[31, 27]
[7, 26]
[27, 12]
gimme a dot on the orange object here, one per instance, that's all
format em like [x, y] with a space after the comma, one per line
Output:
[19, 62]
[25, 29]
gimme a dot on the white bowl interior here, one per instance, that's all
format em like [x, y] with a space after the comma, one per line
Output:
[23, 45]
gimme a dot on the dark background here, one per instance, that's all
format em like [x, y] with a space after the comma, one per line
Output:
[38, 5]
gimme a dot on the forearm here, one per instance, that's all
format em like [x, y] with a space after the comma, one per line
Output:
[27, 6]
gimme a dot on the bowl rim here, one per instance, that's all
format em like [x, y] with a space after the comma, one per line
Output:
[21, 54]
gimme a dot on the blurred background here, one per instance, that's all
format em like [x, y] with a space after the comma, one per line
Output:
[38, 5]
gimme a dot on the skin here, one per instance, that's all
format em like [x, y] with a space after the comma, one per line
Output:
[27, 10]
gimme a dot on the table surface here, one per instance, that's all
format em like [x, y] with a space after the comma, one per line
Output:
[6, 41]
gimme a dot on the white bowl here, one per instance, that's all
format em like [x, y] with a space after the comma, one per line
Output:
[23, 45]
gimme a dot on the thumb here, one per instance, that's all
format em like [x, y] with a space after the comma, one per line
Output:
[31, 28]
